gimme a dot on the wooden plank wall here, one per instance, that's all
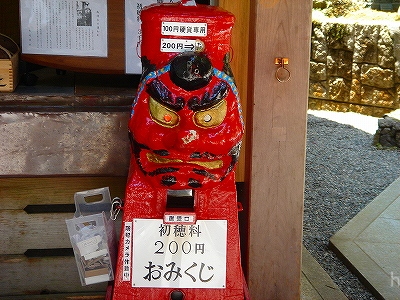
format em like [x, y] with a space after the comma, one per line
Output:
[47, 157]
[56, 138]
[279, 28]
[34, 257]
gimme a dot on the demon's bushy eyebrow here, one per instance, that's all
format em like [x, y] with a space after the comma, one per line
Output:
[160, 92]
[208, 100]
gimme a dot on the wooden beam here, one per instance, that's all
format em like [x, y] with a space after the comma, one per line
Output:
[41, 275]
[18, 192]
[239, 64]
[64, 143]
[279, 28]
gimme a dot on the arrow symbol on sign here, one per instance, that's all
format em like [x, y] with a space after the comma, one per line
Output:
[190, 47]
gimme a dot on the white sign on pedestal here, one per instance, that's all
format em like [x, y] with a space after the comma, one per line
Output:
[179, 256]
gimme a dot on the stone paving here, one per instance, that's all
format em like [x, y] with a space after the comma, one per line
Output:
[370, 244]
[315, 282]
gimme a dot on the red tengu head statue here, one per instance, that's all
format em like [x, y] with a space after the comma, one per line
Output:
[186, 125]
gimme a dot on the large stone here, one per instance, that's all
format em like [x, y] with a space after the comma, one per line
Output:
[386, 122]
[388, 133]
[374, 75]
[385, 49]
[318, 45]
[355, 91]
[395, 35]
[317, 71]
[318, 90]
[378, 97]
[339, 89]
[356, 71]
[366, 43]
[339, 63]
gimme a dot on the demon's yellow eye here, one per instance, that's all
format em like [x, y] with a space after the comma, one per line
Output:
[211, 117]
[162, 114]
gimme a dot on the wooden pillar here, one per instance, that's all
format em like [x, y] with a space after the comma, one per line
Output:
[239, 63]
[279, 28]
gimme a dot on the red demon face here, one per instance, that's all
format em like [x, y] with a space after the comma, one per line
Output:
[186, 126]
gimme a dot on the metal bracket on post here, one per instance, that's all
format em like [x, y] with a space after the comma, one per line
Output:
[282, 74]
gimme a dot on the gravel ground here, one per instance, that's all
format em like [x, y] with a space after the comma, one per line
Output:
[344, 172]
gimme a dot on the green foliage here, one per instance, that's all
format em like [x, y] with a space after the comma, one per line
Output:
[320, 4]
[339, 8]
[337, 32]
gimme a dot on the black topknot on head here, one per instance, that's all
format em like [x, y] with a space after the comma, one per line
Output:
[191, 71]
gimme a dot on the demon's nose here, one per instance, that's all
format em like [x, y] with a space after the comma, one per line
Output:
[184, 139]
[189, 137]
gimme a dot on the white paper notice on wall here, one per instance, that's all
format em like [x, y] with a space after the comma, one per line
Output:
[64, 27]
[133, 33]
